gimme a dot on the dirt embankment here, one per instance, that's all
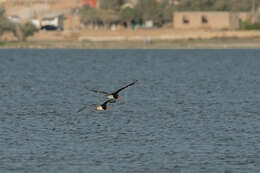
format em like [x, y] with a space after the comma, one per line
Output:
[142, 35]
[153, 38]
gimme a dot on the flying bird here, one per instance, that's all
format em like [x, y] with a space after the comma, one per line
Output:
[102, 107]
[114, 95]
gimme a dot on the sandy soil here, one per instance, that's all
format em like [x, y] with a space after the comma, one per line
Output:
[141, 35]
[153, 38]
[176, 44]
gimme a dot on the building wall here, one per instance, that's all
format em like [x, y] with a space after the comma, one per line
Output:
[72, 23]
[244, 16]
[205, 20]
[234, 20]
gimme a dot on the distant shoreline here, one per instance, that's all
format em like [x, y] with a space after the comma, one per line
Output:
[216, 43]
[165, 38]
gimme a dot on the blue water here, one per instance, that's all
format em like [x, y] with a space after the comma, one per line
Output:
[190, 111]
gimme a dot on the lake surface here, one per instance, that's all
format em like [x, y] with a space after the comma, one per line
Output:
[191, 111]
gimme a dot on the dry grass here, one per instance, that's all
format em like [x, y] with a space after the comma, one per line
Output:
[177, 44]
[153, 38]
[142, 34]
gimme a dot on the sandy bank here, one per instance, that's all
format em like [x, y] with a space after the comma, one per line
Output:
[153, 38]
[166, 44]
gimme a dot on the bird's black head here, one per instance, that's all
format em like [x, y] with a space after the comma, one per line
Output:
[105, 107]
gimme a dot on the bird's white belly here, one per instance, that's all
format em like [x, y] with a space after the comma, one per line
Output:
[110, 97]
[99, 108]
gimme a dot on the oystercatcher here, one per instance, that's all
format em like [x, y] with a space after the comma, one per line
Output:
[114, 95]
[98, 107]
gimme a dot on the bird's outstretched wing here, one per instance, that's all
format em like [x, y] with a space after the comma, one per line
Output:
[108, 101]
[116, 92]
[83, 108]
[102, 92]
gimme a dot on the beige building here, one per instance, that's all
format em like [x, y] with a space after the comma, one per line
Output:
[205, 20]
[244, 16]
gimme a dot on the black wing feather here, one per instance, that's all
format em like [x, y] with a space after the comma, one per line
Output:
[105, 103]
[116, 92]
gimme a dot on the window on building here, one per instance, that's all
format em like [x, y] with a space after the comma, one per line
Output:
[185, 20]
[204, 19]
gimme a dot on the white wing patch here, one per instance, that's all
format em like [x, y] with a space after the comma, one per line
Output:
[110, 97]
[99, 108]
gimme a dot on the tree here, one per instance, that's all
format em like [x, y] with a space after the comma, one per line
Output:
[127, 15]
[89, 16]
[148, 9]
[28, 29]
[216, 5]
[111, 4]
[97, 16]
[158, 12]
[222, 5]
[2, 11]
[5, 24]
[167, 11]
[198, 5]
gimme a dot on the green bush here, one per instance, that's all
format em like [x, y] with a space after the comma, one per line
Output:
[28, 29]
[127, 15]
[111, 4]
[2, 43]
[5, 24]
[97, 16]
[2, 11]
[159, 13]
[247, 25]
[216, 5]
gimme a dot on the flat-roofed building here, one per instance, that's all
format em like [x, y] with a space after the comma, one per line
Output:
[205, 20]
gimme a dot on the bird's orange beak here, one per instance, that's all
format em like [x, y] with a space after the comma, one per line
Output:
[108, 107]
[118, 97]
